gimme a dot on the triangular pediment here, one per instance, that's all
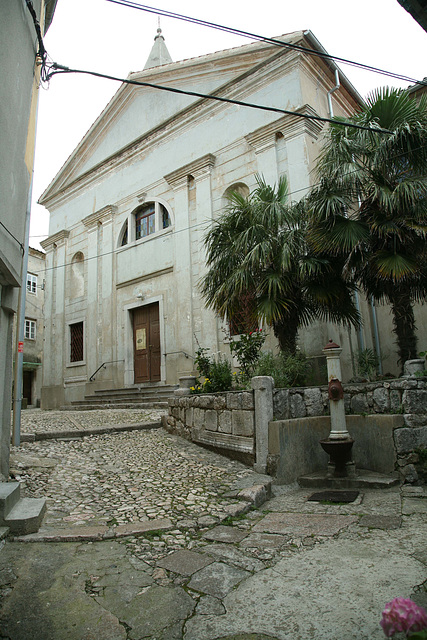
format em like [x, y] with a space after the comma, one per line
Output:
[138, 114]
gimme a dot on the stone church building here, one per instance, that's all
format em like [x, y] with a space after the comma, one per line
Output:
[130, 207]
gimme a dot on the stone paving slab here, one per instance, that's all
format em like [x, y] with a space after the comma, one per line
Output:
[303, 524]
[185, 562]
[217, 579]
[224, 533]
[380, 522]
[264, 541]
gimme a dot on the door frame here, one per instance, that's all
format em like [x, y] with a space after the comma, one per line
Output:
[129, 373]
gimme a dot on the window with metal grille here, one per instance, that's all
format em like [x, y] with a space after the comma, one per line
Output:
[30, 329]
[76, 342]
[243, 321]
[31, 283]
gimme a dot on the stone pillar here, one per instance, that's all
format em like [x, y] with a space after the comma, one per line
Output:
[263, 141]
[338, 431]
[186, 280]
[263, 399]
[101, 307]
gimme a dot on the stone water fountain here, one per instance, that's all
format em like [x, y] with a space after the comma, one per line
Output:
[339, 444]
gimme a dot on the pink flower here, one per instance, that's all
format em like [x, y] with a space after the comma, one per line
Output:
[402, 615]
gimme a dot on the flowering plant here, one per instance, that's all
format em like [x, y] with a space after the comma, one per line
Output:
[247, 350]
[404, 616]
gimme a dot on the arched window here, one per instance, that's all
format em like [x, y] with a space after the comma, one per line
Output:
[150, 218]
[77, 283]
[240, 188]
[124, 235]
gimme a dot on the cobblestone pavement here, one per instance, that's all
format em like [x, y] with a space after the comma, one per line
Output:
[190, 559]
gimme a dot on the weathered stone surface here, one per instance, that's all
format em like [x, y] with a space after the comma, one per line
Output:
[407, 440]
[210, 606]
[415, 401]
[259, 540]
[297, 406]
[409, 473]
[380, 522]
[381, 399]
[248, 400]
[281, 408]
[313, 402]
[237, 509]
[415, 420]
[395, 400]
[412, 505]
[303, 524]
[156, 609]
[224, 422]
[198, 417]
[233, 555]
[185, 562]
[242, 423]
[219, 402]
[222, 533]
[359, 403]
[206, 402]
[217, 579]
[256, 495]
[235, 400]
[211, 420]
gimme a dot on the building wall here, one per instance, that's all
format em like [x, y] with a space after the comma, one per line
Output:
[18, 98]
[185, 165]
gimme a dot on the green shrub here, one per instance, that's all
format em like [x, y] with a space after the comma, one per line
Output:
[247, 350]
[217, 373]
[367, 364]
[287, 369]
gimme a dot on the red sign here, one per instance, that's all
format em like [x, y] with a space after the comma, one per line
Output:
[20, 347]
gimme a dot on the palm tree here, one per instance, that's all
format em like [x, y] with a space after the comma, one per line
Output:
[371, 204]
[257, 253]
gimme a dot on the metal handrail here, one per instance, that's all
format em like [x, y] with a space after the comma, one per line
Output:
[92, 377]
[187, 355]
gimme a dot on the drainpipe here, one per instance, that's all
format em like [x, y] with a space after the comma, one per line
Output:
[376, 336]
[329, 94]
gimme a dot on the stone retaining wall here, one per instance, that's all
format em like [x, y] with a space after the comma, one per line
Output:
[224, 421]
[237, 423]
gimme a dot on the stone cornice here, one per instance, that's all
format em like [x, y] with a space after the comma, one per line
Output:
[289, 126]
[100, 217]
[198, 169]
[55, 240]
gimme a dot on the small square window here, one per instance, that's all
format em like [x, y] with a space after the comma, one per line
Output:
[31, 283]
[30, 329]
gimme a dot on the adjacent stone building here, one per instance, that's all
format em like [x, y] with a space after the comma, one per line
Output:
[129, 209]
[18, 102]
[33, 329]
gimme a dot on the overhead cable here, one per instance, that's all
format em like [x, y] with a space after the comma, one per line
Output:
[56, 68]
[275, 41]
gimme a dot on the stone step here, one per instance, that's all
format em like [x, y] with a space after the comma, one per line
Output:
[26, 516]
[9, 495]
[19, 515]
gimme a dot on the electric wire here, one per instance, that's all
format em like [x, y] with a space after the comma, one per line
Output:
[205, 223]
[254, 36]
[14, 237]
[56, 68]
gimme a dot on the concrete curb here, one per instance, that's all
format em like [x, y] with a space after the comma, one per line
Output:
[93, 431]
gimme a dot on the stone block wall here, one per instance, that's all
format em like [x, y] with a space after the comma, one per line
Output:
[228, 422]
[224, 421]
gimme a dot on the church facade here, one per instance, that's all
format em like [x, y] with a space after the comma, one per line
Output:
[129, 209]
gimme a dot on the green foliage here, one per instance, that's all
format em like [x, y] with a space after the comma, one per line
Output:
[257, 251]
[370, 205]
[287, 369]
[367, 364]
[247, 350]
[217, 373]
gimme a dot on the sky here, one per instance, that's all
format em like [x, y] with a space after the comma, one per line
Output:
[101, 36]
